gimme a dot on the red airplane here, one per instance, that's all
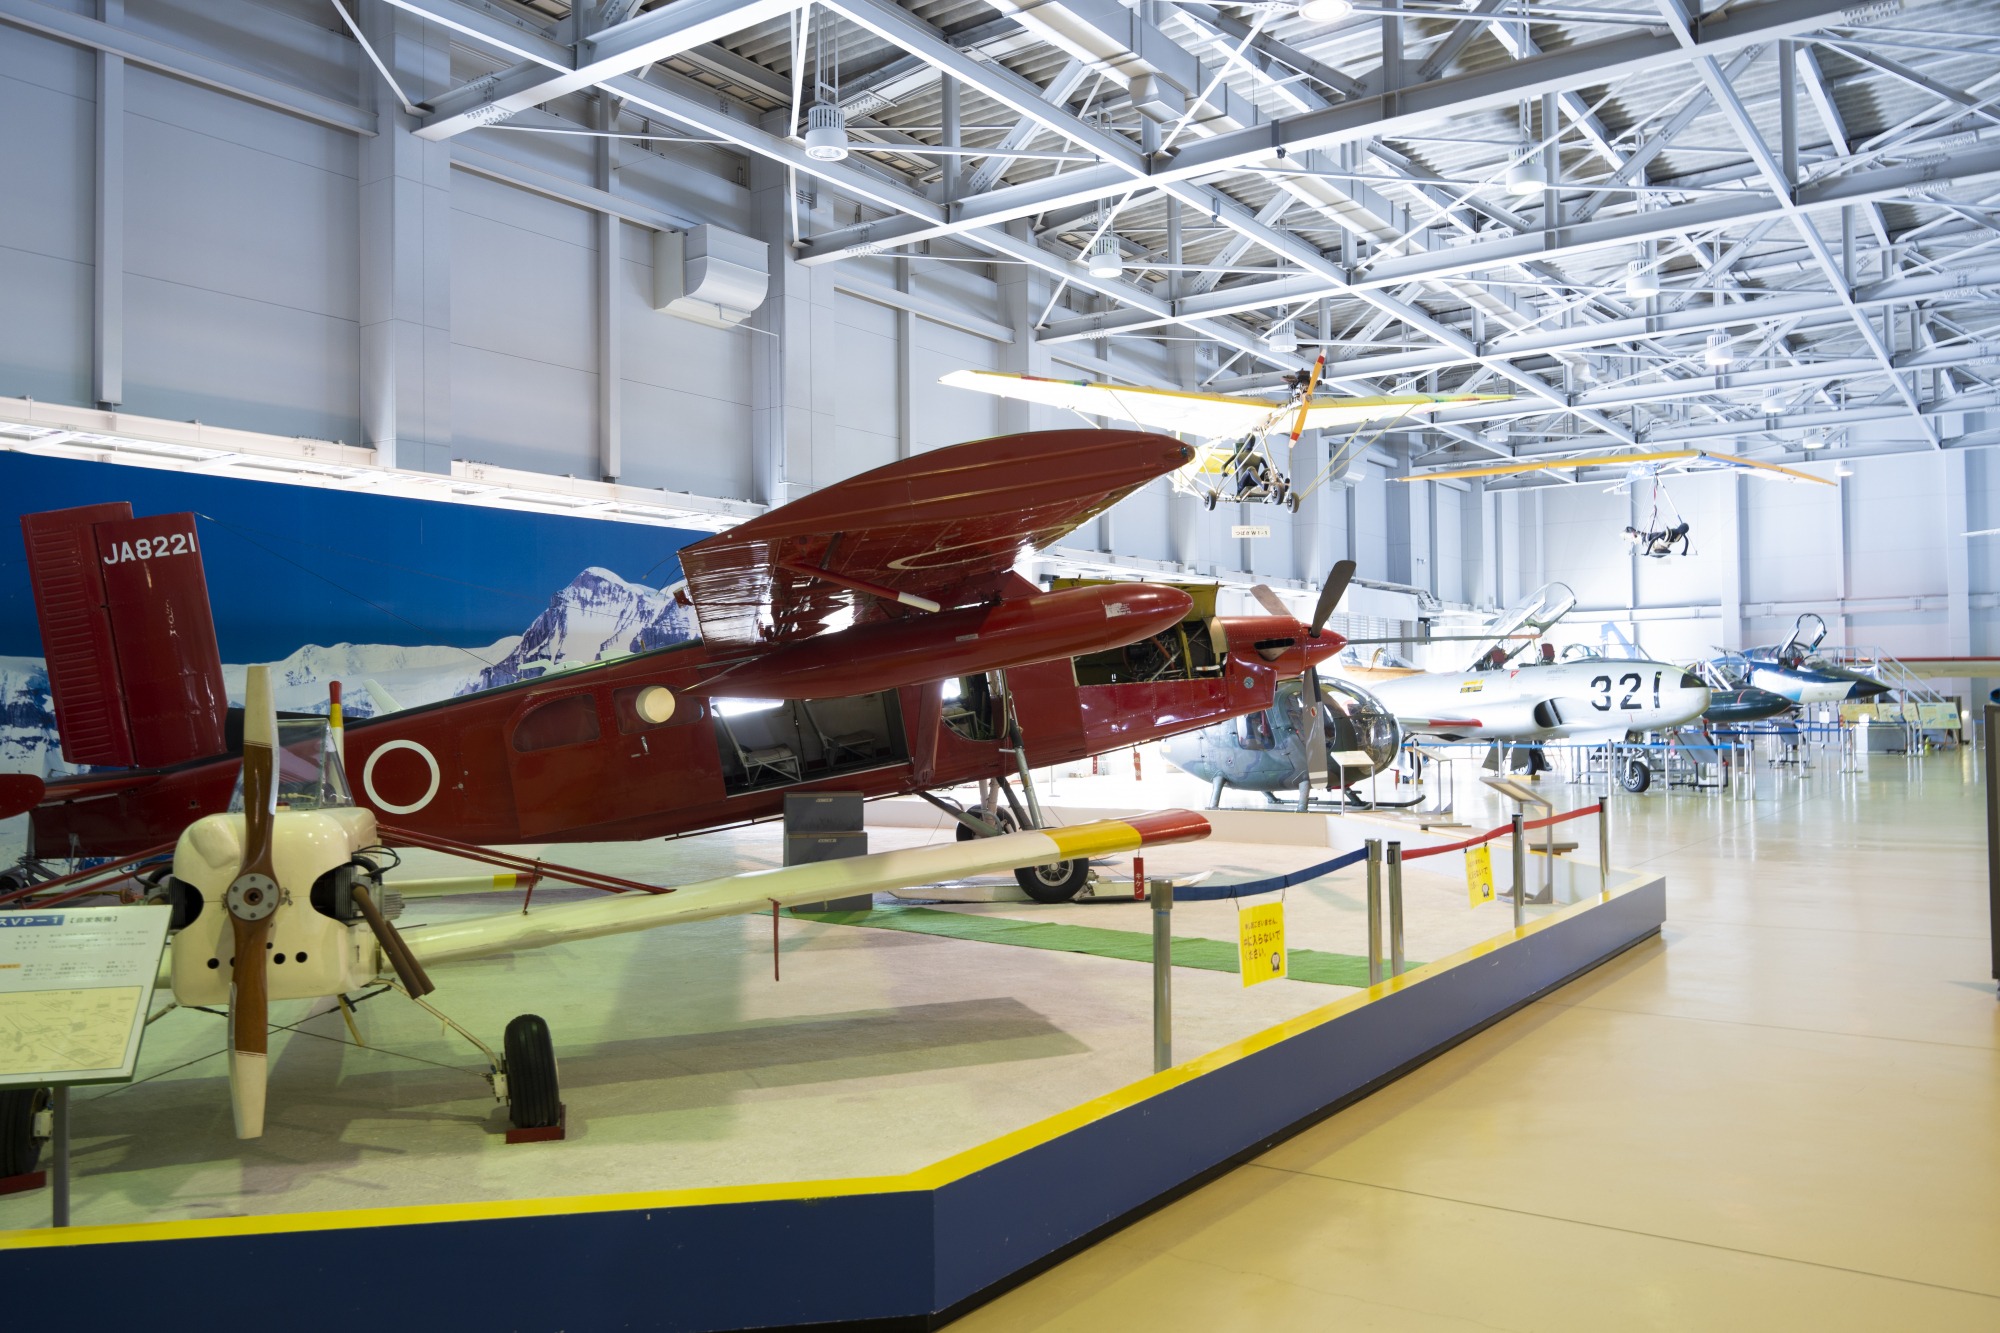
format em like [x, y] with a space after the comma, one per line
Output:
[870, 637]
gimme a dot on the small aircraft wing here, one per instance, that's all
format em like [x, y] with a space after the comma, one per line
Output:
[939, 529]
[1209, 416]
[1679, 460]
[619, 913]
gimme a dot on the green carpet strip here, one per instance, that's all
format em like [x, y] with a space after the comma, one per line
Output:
[1328, 969]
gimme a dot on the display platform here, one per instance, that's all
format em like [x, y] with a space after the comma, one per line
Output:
[901, 1123]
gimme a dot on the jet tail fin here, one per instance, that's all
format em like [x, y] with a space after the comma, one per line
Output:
[127, 634]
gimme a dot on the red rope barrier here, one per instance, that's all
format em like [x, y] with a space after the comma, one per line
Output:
[114, 869]
[1412, 854]
[589, 879]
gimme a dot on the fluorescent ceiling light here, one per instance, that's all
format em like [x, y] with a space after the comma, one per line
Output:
[1325, 11]
[1813, 442]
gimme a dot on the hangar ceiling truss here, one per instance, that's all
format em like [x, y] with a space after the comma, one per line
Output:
[1771, 226]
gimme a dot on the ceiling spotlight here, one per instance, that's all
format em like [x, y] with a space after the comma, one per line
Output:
[1525, 177]
[826, 132]
[1282, 340]
[1495, 434]
[1811, 442]
[1105, 261]
[1773, 404]
[1325, 11]
[1641, 281]
[1719, 353]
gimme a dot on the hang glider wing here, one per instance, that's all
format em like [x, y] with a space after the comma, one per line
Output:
[1675, 460]
[1208, 416]
[789, 885]
[939, 529]
[1353, 411]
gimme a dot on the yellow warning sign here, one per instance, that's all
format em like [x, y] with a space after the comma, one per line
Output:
[1479, 873]
[1260, 942]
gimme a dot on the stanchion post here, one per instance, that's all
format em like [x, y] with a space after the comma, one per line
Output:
[1520, 874]
[1604, 845]
[1163, 975]
[1393, 854]
[1374, 911]
[60, 1175]
[1993, 832]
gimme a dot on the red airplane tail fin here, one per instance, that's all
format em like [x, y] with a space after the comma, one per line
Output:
[127, 634]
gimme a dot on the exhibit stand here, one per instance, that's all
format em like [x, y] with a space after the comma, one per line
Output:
[903, 1250]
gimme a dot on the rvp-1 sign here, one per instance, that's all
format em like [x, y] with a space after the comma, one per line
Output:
[1250, 530]
[1479, 873]
[1260, 942]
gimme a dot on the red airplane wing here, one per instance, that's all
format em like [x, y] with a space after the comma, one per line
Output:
[944, 527]
[16, 788]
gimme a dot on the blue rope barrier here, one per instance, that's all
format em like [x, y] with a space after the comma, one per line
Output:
[1208, 893]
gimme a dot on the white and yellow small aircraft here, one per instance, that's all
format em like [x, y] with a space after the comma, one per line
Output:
[1234, 461]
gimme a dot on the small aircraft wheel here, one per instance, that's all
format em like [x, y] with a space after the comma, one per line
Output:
[1209, 499]
[1005, 819]
[534, 1097]
[1292, 502]
[1058, 883]
[19, 1148]
[1635, 777]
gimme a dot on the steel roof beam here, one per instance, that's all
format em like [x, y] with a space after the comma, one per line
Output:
[620, 49]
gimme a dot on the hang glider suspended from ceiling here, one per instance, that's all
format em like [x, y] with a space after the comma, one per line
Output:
[1208, 416]
[1671, 461]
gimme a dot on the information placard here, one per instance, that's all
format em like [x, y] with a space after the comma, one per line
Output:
[1479, 874]
[74, 987]
[1260, 942]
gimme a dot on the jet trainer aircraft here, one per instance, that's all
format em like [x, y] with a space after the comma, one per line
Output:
[1791, 669]
[830, 628]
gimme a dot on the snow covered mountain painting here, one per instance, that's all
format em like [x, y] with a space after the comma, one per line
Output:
[598, 616]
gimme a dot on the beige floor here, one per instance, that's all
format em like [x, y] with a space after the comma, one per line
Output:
[1783, 1114]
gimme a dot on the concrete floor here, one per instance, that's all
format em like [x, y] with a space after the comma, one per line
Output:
[1785, 1113]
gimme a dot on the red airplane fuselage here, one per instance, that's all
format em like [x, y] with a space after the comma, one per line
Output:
[572, 757]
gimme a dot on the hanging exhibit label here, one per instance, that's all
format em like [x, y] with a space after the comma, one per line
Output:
[1479, 874]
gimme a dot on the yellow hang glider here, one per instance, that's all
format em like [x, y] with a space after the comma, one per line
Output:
[1676, 460]
[1228, 426]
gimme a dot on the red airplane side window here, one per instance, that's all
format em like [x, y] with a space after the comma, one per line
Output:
[570, 720]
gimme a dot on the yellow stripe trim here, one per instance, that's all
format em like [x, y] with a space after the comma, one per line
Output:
[1098, 839]
[932, 1177]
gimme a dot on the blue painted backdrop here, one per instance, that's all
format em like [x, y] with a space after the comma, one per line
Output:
[291, 565]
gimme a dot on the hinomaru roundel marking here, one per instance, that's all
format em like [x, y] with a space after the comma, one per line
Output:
[392, 807]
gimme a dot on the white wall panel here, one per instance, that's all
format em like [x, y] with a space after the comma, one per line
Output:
[941, 414]
[687, 390]
[240, 258]
[1584, 544]
[1791, 542]
[1450, 542]
[47, 120]
[1896, 526]
[1371, 521]
[44, 327]
[526, 413]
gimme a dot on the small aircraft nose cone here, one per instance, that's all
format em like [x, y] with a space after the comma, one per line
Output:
[1326, 647]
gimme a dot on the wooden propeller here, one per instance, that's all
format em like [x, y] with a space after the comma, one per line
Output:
[252, 901]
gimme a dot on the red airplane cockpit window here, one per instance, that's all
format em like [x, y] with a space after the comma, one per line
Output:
[570, 720]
